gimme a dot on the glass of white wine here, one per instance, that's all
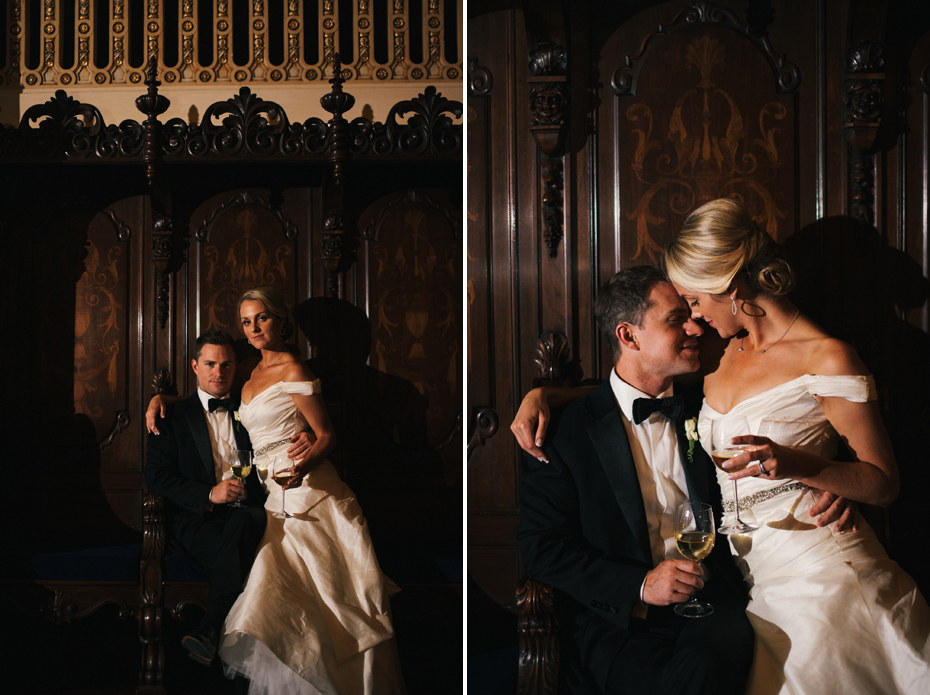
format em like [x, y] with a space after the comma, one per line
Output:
[241, 468]
[694, 536]
[723, 429]
[282, 472]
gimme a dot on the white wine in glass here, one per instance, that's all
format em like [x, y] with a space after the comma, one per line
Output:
[723, 430]
[694, 536]
[241, 468]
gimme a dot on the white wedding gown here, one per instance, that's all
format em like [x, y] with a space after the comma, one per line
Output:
[833, 615]
[314, 616]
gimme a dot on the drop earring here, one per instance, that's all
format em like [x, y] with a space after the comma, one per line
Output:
[733, 305]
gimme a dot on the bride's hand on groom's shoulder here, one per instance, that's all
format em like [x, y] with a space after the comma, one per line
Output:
[158, 408]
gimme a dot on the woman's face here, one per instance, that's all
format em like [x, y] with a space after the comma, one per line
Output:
[262, 328]
[715, 309]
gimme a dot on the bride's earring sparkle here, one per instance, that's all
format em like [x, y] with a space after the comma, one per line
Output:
[733, 305]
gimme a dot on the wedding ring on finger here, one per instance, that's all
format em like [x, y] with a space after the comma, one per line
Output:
[762, 470]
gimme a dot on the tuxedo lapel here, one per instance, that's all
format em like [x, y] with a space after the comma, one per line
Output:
[197, 421]
[608, 435]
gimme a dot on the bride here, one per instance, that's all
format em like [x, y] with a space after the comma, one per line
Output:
[314, 616]
[831, 612]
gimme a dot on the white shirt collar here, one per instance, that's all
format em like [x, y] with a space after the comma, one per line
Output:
[626, 394]
[205, 398]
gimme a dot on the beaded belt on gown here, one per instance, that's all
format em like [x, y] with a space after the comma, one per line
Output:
[274, 445]
[750, 501]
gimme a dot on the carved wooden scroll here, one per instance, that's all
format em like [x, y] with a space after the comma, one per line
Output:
[863, 100]
[537, 639]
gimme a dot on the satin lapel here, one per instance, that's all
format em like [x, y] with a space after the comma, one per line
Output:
[695, 470]
[608, 435]
[197, 421]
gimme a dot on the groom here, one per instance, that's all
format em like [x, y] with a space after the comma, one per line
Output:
[186, 464]
[597, 519]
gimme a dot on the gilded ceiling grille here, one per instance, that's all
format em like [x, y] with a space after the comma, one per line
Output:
[199, 42]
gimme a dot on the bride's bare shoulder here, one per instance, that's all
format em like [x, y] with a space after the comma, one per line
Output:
[298, 371]
[834, 357]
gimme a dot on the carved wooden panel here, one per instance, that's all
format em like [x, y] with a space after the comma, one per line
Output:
[413, 244]
[241, 242]
[706, 121]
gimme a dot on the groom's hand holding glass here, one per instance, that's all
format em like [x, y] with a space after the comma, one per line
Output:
[672, 581]
[227, 491]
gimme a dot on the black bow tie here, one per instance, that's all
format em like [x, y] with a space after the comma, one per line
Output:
[672, 407]
[227, 403]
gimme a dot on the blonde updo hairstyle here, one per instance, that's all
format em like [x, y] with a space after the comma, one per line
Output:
[717, 242]
[274, 304]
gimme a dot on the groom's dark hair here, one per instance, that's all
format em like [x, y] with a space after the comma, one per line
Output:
[625, 299]
[213, 338]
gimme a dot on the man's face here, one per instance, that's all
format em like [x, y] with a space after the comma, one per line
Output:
[667, 339]
[215, 369]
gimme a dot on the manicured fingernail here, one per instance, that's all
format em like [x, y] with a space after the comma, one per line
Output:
[543, 459]
[539, 442]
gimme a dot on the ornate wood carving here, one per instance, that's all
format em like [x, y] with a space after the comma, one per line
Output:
[119, 424]
[115, 36]
[152, 573]
[862, 95]
[549, 97]
[246, 198]
[162, 383]
[537, 638]
[165, 256]
[480, 80]
[552, 203]
[64, 606]
[243, 126]
[152, 104]
[553, 356]
[486, 426]
[625, 77]
[862, 182]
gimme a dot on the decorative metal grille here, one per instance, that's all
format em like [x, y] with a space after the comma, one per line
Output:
[198, 42]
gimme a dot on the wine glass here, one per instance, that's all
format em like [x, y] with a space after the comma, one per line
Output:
[723, 429]
[241, 468]
[694, 536]
[282, 472]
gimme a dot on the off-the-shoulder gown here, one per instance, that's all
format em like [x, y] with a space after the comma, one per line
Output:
[833, 615]
[314, 615]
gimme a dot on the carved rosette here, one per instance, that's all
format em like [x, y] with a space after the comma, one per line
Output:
[537, 637]
[549, 97]
[552, 203]
[553, 356]
[863, 95]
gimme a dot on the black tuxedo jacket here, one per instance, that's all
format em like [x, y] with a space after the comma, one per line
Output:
[179, 465]
[583, 527]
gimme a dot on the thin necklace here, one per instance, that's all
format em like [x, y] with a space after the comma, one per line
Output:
[762, 352]
[259, 366]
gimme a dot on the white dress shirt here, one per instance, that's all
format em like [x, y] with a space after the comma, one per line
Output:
[222, 439]
[658, 466]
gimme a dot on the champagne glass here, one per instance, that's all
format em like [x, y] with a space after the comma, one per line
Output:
[282, 472]
[723, 429]
[694, 536]
[241, 468]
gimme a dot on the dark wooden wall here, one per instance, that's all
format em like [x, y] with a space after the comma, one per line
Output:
[595, 128]
[110, 295]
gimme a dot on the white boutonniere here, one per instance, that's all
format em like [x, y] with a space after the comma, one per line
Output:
[692, 434]
[238, 420]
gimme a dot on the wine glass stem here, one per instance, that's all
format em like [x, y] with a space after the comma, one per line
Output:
[739, 522]
[283, 492]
